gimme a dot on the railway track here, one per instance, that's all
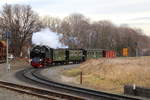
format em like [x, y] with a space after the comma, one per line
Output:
[34, 74]
[39, 93]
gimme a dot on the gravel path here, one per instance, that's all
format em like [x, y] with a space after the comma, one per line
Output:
[54, 73]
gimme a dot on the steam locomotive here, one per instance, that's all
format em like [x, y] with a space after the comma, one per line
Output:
[42, 55]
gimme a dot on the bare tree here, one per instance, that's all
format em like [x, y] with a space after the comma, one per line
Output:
[21, 21]
[75, 30]
[105, 32]
[52, 22]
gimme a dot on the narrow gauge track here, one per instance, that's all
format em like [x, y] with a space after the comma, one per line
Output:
[34, 74]
[42, 93]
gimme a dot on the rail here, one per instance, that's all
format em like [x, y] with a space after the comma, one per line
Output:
[42, 93]
[34, 74]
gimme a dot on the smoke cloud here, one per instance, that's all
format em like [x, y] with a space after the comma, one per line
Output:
[47, 37]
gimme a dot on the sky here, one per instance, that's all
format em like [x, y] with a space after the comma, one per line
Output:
[134, 13]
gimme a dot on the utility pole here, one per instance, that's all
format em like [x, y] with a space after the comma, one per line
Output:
[7, 62]
[81, 77]
[137, 51]
[90, 37]
[7, 50]
[29, 54]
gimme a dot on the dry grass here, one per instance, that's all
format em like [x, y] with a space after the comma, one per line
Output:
[18, 63]
[72, 72]
[112, 74]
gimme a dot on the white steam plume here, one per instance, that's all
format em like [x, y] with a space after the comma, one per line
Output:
[47, 37]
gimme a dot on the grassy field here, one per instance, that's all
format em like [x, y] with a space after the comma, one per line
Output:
[112, 74]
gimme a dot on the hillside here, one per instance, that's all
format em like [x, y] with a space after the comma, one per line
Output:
[112, 74]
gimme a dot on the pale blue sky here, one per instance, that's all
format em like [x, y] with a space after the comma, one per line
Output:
[135, 13]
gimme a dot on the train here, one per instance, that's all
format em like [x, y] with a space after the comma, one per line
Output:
[42, 55]
[2, 51]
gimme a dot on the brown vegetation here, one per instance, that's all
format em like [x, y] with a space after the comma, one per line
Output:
[21, 21]
[112, 74]
[19, 63]
[79, 32]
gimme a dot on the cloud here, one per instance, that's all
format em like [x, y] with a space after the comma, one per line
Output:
[61, 7]
[94, 6]
[11, 1]
[140, 18]
[117, 11]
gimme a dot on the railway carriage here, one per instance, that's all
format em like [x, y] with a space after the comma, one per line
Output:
[76, 55]
[59, 56]
[94, 53]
